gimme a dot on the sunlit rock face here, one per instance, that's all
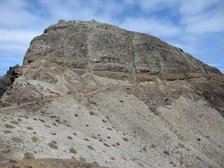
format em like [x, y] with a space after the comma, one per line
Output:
[108, 48]
[100, 94]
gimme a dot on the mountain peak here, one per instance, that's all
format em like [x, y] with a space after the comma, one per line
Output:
[100, 94]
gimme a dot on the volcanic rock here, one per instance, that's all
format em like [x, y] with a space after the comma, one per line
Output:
[98, 93]
[9, 78]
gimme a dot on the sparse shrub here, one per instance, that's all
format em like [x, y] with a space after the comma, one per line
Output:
[42, 120]
[95, 163]
[15, 122]
[68, 125]
[69, 137]
[53, 141]
[153, 146]
[74, 158]
[47, 126]
[25, 116]
[91, 113]
[19, 119]
[112, 158]
[90, 147]
[28, 155]
[29, 128]
[82, 159]
[166, 152]
[53, 145]
[94, 137]
[17, 139]
[181, 137]
[34, 139]
[106, 145]
[125, 139]
[9, 126]
[7, 131]
[72, 150]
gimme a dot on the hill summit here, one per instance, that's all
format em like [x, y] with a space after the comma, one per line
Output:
[98, 93]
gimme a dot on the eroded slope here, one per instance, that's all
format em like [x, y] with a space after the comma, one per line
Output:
[94, 92]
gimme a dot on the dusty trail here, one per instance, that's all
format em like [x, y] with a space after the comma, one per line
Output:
[45, 99]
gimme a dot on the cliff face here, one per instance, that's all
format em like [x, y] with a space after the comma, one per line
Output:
[104, 47]
[108, 51]
[119, 98]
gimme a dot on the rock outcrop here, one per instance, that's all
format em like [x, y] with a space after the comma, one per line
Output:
[9, 78]
[103, 47]
[95, 92]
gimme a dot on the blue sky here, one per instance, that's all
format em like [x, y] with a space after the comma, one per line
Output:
[196, 26]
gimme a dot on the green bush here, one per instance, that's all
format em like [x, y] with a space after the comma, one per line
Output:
[29, 128]
[34, 139]
[9, 126]
[90, 147]
[69, 137]
[17, 139]
[7, 131]
[15, 122]
[106, 145]
[53, 145]
[72, 150]
[28, 155]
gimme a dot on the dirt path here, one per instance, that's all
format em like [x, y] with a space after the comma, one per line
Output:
[29, 103]
[23, 104]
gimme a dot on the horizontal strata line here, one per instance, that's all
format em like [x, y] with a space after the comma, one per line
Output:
[165, 75]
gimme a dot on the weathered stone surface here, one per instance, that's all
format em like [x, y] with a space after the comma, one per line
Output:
[9, 78]
[97, 93]
[104, 47]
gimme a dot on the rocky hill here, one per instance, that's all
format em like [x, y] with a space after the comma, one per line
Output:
[96, 93]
